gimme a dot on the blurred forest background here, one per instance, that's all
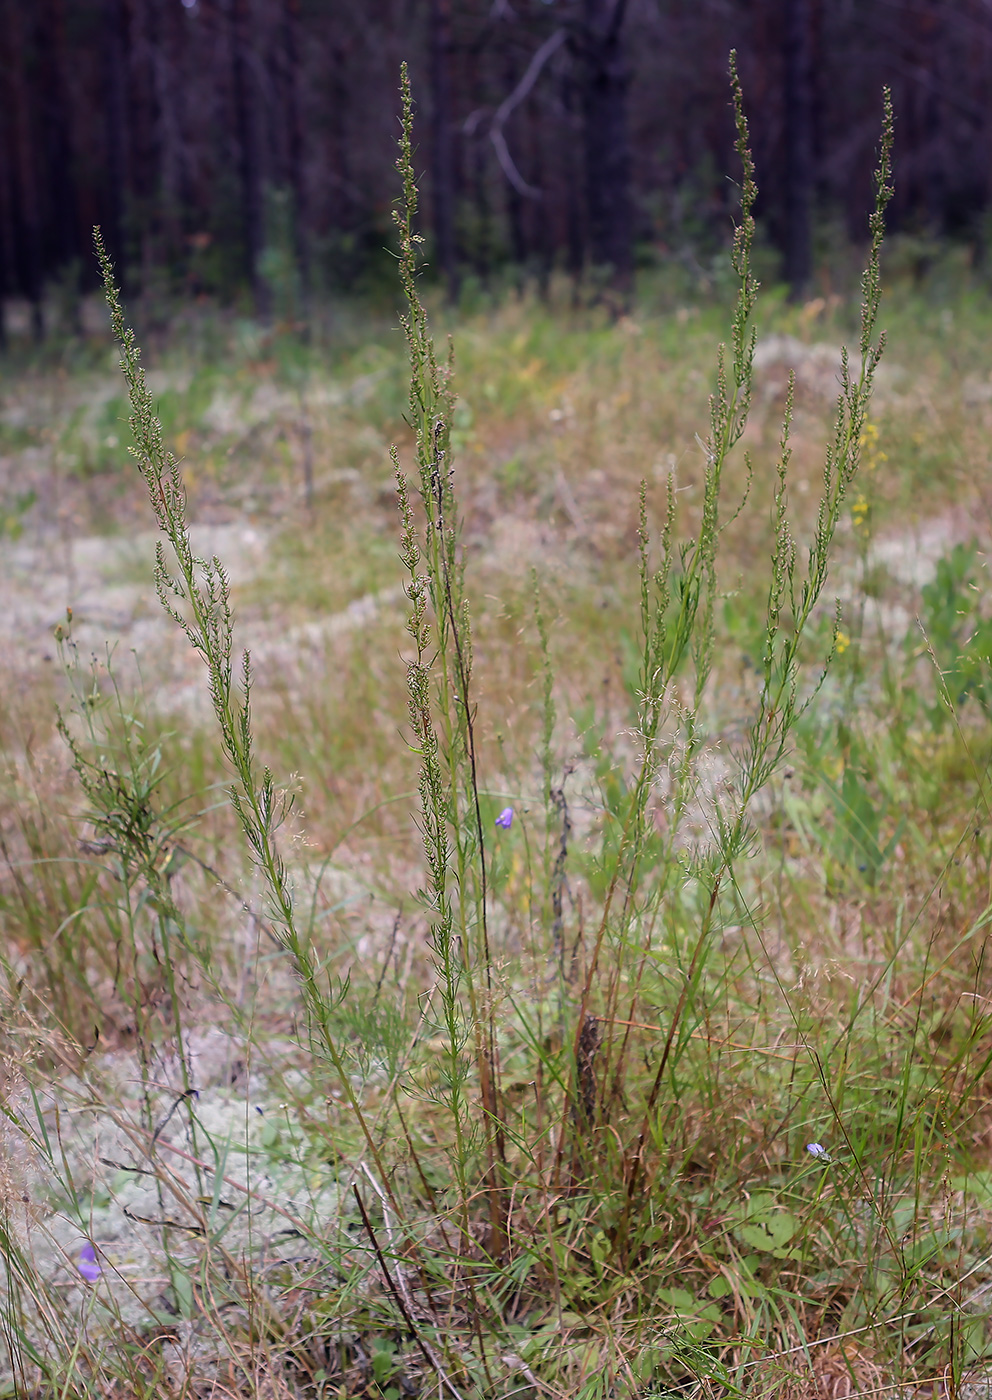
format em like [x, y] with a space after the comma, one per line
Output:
[245, 148]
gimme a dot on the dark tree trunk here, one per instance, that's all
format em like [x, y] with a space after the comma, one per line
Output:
[607, 137]
[167, 29]
[249, 156]
[115, 126]
[144, 138]
[573, 205]
[929, 25]
[292, 79]
[24, 183]
[64, 244]
[514, 199]
[442, 146]
[482, 242]
[480, 249]
[798, 119]
[8, 266]
[544, 231]
[340, 153]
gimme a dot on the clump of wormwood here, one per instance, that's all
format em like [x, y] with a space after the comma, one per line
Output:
[597, 1124]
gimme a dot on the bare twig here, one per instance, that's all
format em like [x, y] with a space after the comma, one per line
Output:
[507, 107]
[427, 1350]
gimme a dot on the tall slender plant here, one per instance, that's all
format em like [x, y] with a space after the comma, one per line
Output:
[196, 593]
[453, 827]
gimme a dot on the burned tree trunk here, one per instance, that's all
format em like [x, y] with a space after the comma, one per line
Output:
[8, 261]
[115, 125]
[442, 150]
[519, 248]
[798, 119]
[573, 187]
[294, 143]
[24, 183]
[249, 155]
[64, 243]
[605, 81]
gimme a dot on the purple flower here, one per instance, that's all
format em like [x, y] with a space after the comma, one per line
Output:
[817, 1150]
[505, 818]
[87, 1264]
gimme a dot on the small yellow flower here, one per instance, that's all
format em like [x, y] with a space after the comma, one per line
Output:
[871, 454]
[842, 644]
